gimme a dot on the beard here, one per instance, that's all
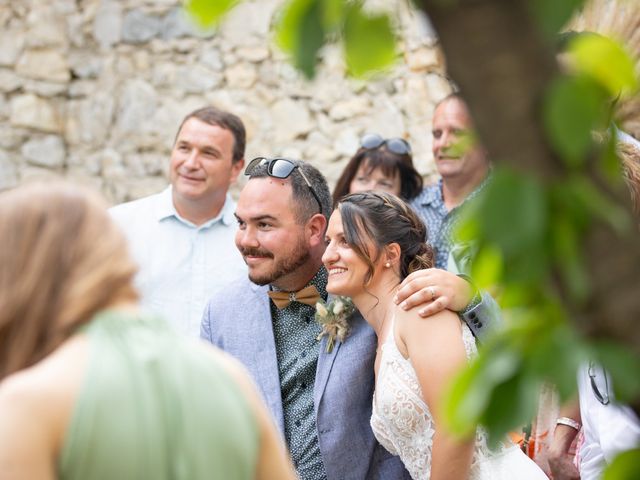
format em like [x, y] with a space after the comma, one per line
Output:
[281, 267]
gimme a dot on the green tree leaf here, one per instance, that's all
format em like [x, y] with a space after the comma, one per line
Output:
[301, 33]
[369, 42]
[606, 61]
[514, 211]
[513, 403]
[333, 14]
[596, 203]
[469, 394]
[573, 108]
[488, 266]
[626, 466]
[551, 15]
[208, 12]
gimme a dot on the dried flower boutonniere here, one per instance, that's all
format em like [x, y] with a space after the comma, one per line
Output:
[334, 319]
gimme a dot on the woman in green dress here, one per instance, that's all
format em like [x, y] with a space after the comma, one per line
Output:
[90, 387]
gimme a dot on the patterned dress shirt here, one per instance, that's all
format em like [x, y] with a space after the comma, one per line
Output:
[440, 222]
[297, 348]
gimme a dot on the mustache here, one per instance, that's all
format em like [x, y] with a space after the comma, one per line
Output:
[255, 252]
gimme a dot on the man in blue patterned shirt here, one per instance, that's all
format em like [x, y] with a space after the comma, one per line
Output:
[463, 167]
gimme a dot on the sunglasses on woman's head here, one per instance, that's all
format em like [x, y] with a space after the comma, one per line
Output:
[396, 145]
[280, 168]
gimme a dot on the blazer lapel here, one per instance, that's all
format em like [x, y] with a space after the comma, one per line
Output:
[261, 342]
[325, 364]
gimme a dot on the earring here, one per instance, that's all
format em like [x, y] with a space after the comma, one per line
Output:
[387, 264]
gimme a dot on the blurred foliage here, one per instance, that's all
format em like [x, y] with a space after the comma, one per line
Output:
[305, 26]
[551, 15]
[208, 12]
[529, 240]
[527, 232]
[624, 466]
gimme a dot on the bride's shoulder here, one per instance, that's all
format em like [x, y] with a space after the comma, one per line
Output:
[442, 329]
[412, 320]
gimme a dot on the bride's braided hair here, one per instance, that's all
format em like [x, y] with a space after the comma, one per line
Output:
[380, 219]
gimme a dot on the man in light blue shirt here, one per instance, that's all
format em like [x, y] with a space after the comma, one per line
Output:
[183, 237]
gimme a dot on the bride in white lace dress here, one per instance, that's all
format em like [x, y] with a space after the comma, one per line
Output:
[374, 240]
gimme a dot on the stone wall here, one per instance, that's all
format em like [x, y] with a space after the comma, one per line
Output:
[94, 90]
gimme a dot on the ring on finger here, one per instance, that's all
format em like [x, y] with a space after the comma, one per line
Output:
[432, 291]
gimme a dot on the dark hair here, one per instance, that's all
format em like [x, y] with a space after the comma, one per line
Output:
[226, 120]
[304, 202]
[389, 163]
[382, 219]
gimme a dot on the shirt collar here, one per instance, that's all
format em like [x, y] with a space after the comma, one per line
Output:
[319, 280]
[432, 194]
[166, 209]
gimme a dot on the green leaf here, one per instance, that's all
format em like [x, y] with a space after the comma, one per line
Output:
[553, 14]
[625, 466]
[567, 249]
[598, 204]
[465, 141]
[610, 164]
[573, 107]
[513, 403]
[468, 396]
[333, 14]
[606, 61]
[513, 211]
[556, 356]
[487, 267]
[208, 12]
[465, 401]
[369, 42]
[300, 33]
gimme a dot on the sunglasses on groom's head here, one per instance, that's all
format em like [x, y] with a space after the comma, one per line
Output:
[280, 168]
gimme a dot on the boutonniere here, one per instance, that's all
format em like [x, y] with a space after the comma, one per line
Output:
[334, 319]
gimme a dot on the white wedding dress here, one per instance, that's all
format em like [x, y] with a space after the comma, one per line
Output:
[402, 423]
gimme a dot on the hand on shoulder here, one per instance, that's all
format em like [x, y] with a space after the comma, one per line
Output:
[432, 290]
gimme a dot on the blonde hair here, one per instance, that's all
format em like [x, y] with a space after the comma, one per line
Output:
[62, 260]
[630, 157]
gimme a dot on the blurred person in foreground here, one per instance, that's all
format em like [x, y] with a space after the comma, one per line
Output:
[90, 387]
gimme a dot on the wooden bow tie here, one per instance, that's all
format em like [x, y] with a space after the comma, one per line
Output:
[308, 295]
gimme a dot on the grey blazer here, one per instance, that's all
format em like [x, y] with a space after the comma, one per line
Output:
[238, 320]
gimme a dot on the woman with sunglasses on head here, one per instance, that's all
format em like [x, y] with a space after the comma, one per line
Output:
[374, 240]
[380, 164]
[386, 165]
[93, 388]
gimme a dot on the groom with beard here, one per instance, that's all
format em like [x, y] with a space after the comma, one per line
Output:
[320, 397]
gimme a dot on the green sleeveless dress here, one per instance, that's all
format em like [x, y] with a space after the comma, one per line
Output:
[152, 406]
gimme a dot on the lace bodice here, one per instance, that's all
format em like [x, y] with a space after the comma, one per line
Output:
[401, 420]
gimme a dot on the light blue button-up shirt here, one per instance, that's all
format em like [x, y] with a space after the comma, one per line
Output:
[181, 264]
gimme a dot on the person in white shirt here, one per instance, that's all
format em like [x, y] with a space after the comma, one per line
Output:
[609, 428]
[183, 237]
